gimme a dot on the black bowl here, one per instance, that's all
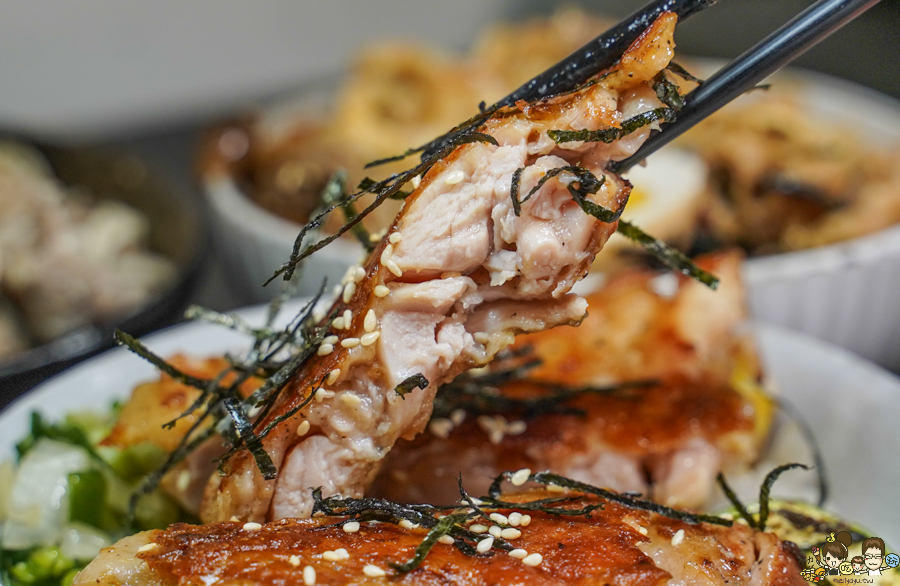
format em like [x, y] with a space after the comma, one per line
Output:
[178, 230]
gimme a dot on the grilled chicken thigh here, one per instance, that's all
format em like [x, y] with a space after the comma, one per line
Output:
[615, 545]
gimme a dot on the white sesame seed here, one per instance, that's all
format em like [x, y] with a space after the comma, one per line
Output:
[234, 519]
[147, 547]
[520, 477]
[348, 319]
[534, 559]
[375, 237]
[330, 556]
[373, 571]
[494, 530]
[184, 480]
[254, 411]
[351, 527]
[445, 539]
[394, 267]
[349, 290]
[510, 533]
[338, 323]
[555, 488]
[370, 321]
[387, 253]
[309, 576]
[342, 553]
[407, 524]
[515, 518]
[333, 376]
[678, 537]
[642, 530]
[337, 289]
[519, 554]
[294, 560]
[252, 526]
[325, 350]
[331, 340]
[516, 428]
[350, 342]
[458, 416]
[359, 274]
[323, 394]
[478, 528]
[369, 339]
[381, 291]
[499, 518]
[526, 521]
[351, 400]
[303, 428]
[477, 500]
[318, 314]
[394, 238]
[454, 177]
[485, 545]
[665, 285]
[416, 181]
[440, 427]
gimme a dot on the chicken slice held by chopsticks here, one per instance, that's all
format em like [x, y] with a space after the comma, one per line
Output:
[594, 540]
[487, 245]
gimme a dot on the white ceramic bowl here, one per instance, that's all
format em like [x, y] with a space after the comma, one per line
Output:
[843, 293]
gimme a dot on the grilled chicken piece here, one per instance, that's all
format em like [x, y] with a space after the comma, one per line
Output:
[456, 277]
[617, 545]
[668, 441]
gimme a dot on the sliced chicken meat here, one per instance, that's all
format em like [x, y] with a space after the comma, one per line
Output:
[706, 414]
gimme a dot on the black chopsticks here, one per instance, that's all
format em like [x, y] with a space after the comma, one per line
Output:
[594, 57]
[766, 57]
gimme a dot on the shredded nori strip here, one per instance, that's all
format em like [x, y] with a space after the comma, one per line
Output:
[585, 184]
[796, 416]
[443, 527]
[547, 478]
[244, 430]
[608, 135]
[735, 501]
[766, 487]
[335, 193]
[667, 92]
[682, 72]
[415, 381]
[382, 190]
[667, 255]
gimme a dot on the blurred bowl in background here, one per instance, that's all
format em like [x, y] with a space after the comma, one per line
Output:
[177, 230]
[843, 292]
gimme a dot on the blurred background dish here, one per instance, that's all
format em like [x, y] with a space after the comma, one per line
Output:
[803, 176]
[176, 68]
[91, 240]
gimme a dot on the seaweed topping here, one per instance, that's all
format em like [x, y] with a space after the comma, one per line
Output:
[762, 518]
[453, 520]
[612, 134]
[478, 393]
[584, 184]
[669, 256]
